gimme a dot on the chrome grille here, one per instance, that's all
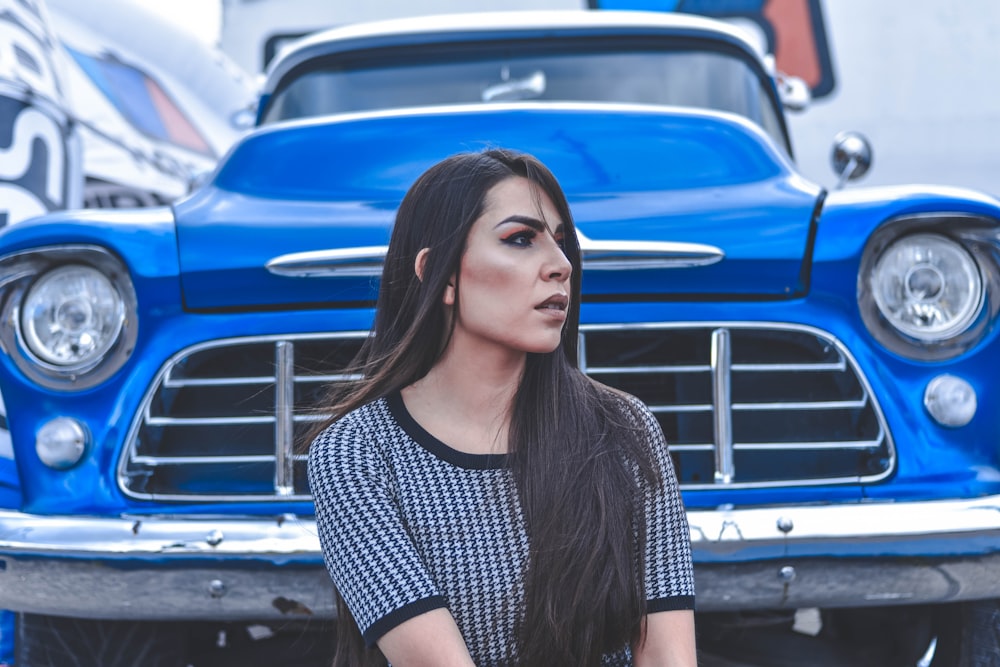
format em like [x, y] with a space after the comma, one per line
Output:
[740, 404]
[748, 404]
[224, 420]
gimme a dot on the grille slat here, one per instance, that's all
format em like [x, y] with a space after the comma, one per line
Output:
[322, 379]
[741, 404]
[778, 446]
[199, 460]
[217, 382]
[771, 368]
[679, 408]
[803, 405]
[605, 370]
[208, 421]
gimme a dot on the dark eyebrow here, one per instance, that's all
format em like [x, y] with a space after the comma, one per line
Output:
[534, 223]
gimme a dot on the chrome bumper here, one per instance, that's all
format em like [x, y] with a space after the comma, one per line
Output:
[258, 569]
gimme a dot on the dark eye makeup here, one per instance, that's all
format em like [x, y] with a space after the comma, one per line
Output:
[522, 238]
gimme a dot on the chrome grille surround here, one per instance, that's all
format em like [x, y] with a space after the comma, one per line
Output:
[743, 405]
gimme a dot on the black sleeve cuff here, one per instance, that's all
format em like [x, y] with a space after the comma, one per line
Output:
[673, 603]
[398, 616]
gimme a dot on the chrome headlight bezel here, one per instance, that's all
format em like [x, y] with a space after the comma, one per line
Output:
[972, 236]
[23, 271]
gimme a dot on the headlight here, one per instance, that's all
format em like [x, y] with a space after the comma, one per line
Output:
[71, 317]
[927, 286]
[68, 314]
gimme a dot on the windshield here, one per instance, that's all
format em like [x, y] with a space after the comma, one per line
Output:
[688, 78]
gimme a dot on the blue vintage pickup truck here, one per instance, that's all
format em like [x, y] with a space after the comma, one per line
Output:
[823, 363]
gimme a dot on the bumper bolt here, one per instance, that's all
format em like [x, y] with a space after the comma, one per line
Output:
[215, 538]
[786, 574]
[217, 588]
[785, 524]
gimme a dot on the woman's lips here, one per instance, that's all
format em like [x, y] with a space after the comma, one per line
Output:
[554, 306]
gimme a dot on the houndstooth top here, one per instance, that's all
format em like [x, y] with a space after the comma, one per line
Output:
[408, 524]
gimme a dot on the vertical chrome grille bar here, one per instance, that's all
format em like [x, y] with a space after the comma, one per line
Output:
[581, 351]
[284, 434]
[721, 363]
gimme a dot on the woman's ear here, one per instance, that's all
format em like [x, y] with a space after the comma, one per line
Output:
[420, 262]
[449, 292]
[419, 265]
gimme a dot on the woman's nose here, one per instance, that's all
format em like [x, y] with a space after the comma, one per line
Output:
[559, 267]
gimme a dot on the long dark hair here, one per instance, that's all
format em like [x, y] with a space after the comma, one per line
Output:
[579, 459]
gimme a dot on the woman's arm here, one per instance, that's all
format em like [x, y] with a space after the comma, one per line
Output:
[668, 641]
[431, 639]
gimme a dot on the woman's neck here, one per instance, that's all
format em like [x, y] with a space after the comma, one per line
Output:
[465, 401]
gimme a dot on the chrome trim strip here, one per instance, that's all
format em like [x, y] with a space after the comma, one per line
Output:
[207, 460]
[171, 383]
[366, 261]
[771, 446]
[722, 422]
[744, 368]
[697, 407]
[312, 418]
[630, 255]
[284, 435]
[692, 447]
[208, 421]
[754, 368]
[804, 405]
[335, 377]
[202, 460]
[625, 370]
[806, 446]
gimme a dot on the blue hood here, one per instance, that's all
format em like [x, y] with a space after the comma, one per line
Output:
[630, 174]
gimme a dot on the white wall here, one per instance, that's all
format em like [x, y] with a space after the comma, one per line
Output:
[921, 78]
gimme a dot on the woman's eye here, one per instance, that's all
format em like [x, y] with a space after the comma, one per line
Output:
[522, 239]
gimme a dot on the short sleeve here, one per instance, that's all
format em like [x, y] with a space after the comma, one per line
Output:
[366, 547]
[669, 572]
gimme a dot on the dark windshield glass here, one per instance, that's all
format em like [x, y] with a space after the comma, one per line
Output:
[700, 79]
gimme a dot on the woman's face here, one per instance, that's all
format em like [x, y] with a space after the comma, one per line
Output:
[513, 285]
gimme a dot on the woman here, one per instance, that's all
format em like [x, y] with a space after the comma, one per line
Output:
[479, 500]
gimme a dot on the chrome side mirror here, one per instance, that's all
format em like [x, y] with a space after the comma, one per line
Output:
[851, 157]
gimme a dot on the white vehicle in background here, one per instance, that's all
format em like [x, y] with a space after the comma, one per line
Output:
[102, 113]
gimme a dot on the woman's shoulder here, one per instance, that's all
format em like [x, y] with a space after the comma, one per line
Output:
[631, 408]
[359, 424]
[635, 414]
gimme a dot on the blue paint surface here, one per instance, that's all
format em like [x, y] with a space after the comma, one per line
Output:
[7, 628]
